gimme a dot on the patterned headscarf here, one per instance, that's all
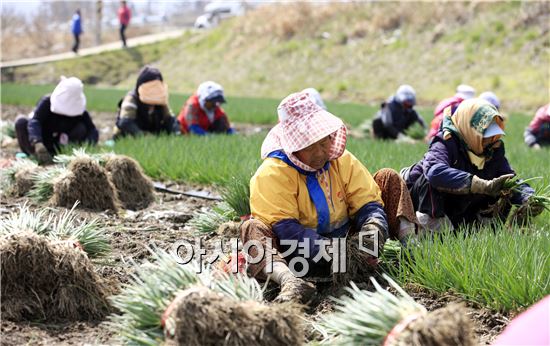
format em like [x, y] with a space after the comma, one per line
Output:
[302, 123]
[469, 122]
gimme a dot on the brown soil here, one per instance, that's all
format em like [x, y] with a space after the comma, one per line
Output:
[487, 323]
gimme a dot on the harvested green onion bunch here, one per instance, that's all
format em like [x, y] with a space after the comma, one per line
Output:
[60, 227]
[537, 203]
[65, 159]
[391, 254]
[206, 221]
[43, 182]
[382, 318]
[169, 302]
[236, 193]
[416, 131]
[16, 180]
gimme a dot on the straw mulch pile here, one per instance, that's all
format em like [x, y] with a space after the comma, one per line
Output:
[200, 316]
[88, 183]
[135, 189]
[47, 280]
[446, 326]
[23, 181]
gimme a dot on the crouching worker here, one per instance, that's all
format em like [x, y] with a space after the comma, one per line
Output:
[396, 115]
[58, 119]
[203, 114]
[464, 171]
[463, 92]
[309, 189]
[145, 109]
[537, 134]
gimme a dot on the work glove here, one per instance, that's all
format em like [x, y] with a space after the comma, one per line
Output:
[42, 154]
[489, 187]
[373, 231]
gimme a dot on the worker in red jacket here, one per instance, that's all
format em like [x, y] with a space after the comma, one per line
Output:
[202, 113]
[463, 92]
[537, 134]
[124, 15]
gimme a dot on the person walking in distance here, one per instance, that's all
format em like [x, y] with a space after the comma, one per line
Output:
[124, 15]
[76, 29]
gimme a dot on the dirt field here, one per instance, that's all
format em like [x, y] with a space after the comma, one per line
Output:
[162, 224]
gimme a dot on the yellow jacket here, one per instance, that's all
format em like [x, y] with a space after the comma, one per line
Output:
[278, 192]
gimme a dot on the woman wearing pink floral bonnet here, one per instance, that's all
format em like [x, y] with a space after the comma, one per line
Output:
[310, 190]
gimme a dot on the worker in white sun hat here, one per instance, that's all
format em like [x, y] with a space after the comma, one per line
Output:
[396, 115]
[463, 92]
[58, 119]
[490, 97]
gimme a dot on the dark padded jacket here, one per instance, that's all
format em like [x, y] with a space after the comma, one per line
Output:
[396, 118]
[46, 126]
[446, 166]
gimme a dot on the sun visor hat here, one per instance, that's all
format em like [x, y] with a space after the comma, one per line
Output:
[216, 96]
[493, 130]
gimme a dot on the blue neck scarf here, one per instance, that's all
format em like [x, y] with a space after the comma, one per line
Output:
[316, 193]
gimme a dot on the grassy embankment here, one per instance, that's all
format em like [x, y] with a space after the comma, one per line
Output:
[356, 52]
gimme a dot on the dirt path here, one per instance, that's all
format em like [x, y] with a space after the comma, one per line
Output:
[131, 42]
